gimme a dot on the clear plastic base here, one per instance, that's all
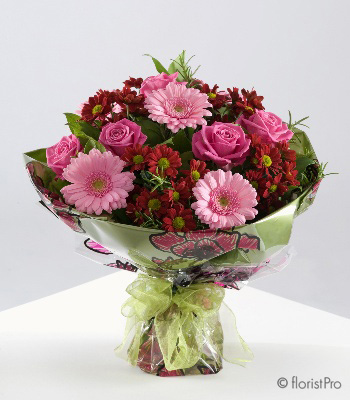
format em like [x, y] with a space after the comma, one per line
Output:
[150, 358]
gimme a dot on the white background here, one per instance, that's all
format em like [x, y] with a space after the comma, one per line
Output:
[55, 54]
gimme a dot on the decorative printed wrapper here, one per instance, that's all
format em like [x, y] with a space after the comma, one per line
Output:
[177, 323]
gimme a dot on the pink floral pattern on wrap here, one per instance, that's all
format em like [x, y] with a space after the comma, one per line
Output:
[203, 245]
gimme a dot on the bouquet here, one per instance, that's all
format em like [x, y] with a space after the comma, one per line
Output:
[193, 187]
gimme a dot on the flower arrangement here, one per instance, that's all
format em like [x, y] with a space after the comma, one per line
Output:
[203, 175]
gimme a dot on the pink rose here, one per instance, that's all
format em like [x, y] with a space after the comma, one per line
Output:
[224, 143]
[116, 136]
[267, 125]
[59, 155]
[158, 82]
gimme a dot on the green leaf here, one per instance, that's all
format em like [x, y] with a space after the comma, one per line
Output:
[185, 159]
[90, 130]
[93, 144]
[302, 162]
[172, 68]
[159, 67]
[151, 130]
[38, 155]
[178, 65]
[77, 126]
[190, 132]
[56, 185]
[48, 177]
[301, 144]
[73, 122]
[83, 138]
[181, 142]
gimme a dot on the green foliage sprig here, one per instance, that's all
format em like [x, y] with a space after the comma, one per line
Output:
[179, 64]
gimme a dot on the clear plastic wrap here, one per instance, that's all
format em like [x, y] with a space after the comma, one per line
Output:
[177, 323]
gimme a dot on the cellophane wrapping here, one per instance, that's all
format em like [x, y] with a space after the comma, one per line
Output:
[177, 322]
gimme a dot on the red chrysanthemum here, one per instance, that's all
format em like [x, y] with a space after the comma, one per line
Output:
[254, 177]
[290, 173]
[151, 203]
[246, 103]
[179, 219]
[136, 157]
[251, 99]
[131, 100]
[134, 212]
[274, 187]
[286, 153]
[197, 170]
[215, 98]
[164, 161]
[97, 106]
[133, 82]
[267, 158]
[135, 193]
[255, 140]
[178, 194]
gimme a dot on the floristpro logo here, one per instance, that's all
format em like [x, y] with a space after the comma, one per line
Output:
[297, 383]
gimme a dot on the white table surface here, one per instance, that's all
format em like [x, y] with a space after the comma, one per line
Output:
[61, 347]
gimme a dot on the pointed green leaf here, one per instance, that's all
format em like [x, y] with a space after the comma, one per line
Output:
[302, 162]
[151, 130]
[73, 122]
[159, 67]
[93, 144]
[76, 125]
[56, 185]
[186, 159]
[90, 130]
[172, 68]
[38, 155]
[181, 142]
[179, 65]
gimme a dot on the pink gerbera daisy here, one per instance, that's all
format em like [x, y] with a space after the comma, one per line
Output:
[178, 107]
[224, 200]
[98, 182]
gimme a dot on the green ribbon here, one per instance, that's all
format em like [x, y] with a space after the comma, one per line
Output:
[184, 320]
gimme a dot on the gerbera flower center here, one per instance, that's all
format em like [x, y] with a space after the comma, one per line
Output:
[195, 175]
[224, 201]
[273, 188]
[138, 159]
[154, 204]
[98, 184]
[266, 160]
[178, 107]
[176, 196]
[97, 109]
[178, 223]
[163, 163]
